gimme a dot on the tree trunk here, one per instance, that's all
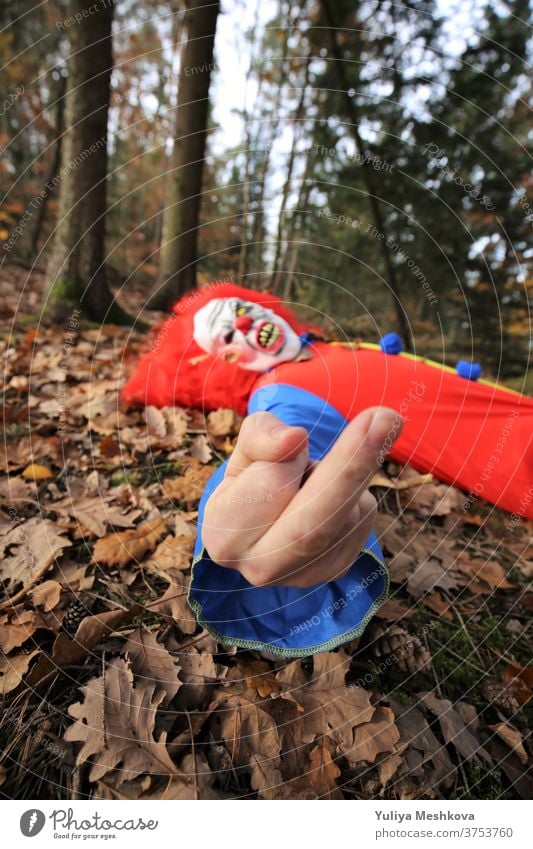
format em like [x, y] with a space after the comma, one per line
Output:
[243, 253]
[275, 279]
[292, 249]
[180, 228]
[59, 126]
[258, 221]
[76, 269]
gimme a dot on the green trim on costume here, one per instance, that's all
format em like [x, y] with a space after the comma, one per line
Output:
[288, 652]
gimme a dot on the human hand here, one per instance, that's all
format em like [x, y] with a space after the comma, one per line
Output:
[276, 530]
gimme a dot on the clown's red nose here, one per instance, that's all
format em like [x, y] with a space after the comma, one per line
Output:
[243, 323]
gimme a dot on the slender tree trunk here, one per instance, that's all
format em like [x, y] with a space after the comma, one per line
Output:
[76, 269]
[362, 149]
[290, 259]
[258, 225]
[243, 253]
[59, 125]
[276, 271]
[180, 228]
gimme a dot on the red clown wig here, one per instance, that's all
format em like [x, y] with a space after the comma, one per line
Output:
[177, 372]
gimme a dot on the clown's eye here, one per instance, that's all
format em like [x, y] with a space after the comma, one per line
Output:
[241, 310]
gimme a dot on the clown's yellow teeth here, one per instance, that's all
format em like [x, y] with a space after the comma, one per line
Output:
[268, 335]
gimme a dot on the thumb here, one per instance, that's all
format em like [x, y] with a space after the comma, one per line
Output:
[266, 438]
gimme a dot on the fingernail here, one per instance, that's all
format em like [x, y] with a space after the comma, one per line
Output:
[279, 431]
[384, 428]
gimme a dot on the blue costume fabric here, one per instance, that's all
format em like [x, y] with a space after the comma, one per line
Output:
[288, 621]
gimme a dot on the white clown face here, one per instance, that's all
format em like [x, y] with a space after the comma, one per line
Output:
[248, 334]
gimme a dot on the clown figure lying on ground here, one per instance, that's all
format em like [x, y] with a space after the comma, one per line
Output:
[286, 560]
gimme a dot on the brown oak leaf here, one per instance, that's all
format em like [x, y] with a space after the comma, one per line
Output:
[175, 552]
[46, 595]
[35, 543]
[220, 422]
[152, 663]
[454, 729]
[116, 723]
[13, 669]
[117, 549]
[189, 486]
[372, 738]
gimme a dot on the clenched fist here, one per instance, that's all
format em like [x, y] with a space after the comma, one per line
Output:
[281, 521]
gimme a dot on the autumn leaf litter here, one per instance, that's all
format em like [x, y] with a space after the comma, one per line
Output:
[111, 690]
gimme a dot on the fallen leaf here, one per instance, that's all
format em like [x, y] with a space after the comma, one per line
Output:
[436, 499]
[26, 449]
[91, 631]
[325, 705]
[255, 675]
[173, 602]
[155, 422]
[116, 723]
[372, 738]
[512, 737]
[267, 779]
[454, 729]
[389, 767]
[35, 472]
[36, 543]
[152, 663]
[393, 610]
[319, 780]
[429, 575]
[117, 549]
[184, 524]
[438, 604]
[93, 512]
[194, 781]
[15, 490]
[379, 479]
[519, 681]
[109, 447]
[201, 677]
[46, 595]
[172, 553]
[177, 421]
[201, 449]
[188, 487]
[426, 764]
[488, 571]
[246, 732]
[475, 520]
[220, 422]
[13, 669]
[72, 576]
[14, 631]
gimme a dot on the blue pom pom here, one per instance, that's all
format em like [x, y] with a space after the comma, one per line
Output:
[471, 371]
[391, 343]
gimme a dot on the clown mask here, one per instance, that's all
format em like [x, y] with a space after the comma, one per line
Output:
[248, 334]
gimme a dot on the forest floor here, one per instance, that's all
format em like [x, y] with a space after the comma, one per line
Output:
[111, 690]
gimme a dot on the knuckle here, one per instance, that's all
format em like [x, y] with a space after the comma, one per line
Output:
[253, 423]
[219, 547]
[308, 538]
[368, 506]
[256, 575]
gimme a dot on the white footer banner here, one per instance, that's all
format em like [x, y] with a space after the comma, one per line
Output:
[351, 823]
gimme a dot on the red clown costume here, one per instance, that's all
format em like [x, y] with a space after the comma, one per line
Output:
[469, 433]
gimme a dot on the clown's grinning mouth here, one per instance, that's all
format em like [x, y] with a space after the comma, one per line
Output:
[268, 335]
